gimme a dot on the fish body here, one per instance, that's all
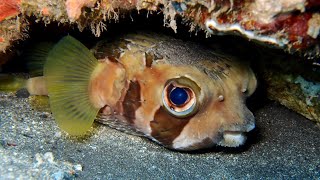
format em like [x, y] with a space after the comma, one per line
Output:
[179, 94]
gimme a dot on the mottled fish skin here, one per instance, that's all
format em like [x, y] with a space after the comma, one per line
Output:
[137, 68]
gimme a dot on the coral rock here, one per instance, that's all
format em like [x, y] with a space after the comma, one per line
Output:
[292, 25]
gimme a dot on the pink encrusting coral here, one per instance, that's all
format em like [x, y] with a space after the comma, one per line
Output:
[9, 8]
[289, 24]
[285, 23]
[74, 7]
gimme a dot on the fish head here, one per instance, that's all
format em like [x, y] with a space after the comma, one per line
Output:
[189, 107]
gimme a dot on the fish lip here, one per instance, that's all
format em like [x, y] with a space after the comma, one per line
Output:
[233, 132]
[235, 137]
[240, 128]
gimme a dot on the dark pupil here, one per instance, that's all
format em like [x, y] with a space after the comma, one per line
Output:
[178, 96]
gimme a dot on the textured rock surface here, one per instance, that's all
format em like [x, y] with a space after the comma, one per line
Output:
[295, 85]
[291, 25]
[284, 145]
[295, 93]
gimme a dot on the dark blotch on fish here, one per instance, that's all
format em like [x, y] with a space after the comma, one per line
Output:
[149, 59]
[165, 128]
[132, 101]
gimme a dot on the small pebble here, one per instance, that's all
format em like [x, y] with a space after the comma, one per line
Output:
[49, 157]
[22, 93]
[77, 167]
[43, 116]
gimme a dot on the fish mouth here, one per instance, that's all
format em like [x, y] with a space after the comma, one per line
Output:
[235, 138]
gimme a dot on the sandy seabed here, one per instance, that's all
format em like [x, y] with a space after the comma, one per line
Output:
[284, 145]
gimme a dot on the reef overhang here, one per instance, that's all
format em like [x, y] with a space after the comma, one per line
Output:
[292, 25]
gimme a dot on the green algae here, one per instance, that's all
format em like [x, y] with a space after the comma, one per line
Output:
[311, 90]
[40, 103]
[294, 92]
[10, 83]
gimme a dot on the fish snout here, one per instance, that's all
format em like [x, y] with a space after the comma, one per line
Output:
[249, 120]
[235, 135]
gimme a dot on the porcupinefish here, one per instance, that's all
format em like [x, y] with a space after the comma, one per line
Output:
[178, 94]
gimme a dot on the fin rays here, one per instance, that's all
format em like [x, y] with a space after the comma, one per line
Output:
[68, 71]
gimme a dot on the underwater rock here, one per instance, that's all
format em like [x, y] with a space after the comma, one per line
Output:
[290, 25]
[9, 10]
[296, 93]
[41, 165]
[296, 86]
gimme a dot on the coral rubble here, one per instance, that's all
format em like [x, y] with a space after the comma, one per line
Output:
[289, 24]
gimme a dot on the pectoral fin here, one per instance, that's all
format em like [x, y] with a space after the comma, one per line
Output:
[68, 71]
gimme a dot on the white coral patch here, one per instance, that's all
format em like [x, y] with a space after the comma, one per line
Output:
[74, 8]
[213, 24]
[314, 26]
[264, 11]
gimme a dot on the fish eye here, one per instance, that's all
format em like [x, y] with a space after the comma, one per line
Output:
[179, 98]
